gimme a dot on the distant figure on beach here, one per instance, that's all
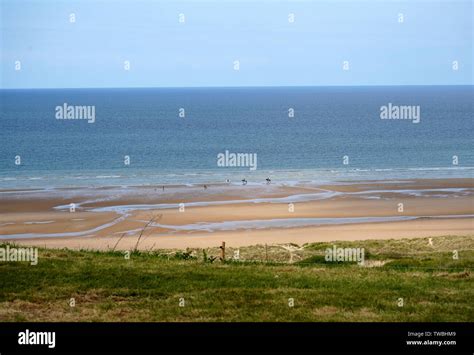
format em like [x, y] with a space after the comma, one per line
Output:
[205, 187]
[163, 187]
[227, 180]
[244, 182]
[268, 180]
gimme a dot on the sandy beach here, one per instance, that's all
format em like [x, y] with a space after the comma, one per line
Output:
[194, 216]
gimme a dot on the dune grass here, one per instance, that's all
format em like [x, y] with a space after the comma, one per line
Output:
[262, 285]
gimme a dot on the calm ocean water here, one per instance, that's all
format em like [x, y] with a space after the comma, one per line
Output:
[329, 123]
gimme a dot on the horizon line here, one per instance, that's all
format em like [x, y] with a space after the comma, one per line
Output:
[229, 87]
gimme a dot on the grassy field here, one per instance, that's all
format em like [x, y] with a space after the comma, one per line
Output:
[278, 283]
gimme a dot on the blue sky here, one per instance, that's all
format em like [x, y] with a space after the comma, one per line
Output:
[55, 53]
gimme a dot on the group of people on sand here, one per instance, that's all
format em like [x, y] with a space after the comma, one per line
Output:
[244, 182]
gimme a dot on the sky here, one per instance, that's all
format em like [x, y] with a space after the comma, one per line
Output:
[42, 48]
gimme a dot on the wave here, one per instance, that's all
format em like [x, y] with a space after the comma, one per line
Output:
[290, 177]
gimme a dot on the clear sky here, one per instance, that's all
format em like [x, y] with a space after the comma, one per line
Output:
[272, 51]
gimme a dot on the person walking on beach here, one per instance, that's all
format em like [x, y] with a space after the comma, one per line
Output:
[244, 182]
[268, 180]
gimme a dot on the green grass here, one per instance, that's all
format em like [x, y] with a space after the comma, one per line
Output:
[149, 286]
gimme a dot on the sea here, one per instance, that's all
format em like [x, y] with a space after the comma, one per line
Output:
[169, 136]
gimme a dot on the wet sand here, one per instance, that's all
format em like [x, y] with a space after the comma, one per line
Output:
[304, 213]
